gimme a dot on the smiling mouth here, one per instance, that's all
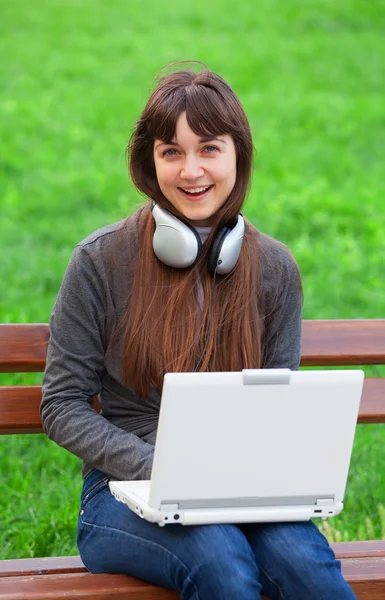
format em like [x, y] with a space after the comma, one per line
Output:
[196, 192]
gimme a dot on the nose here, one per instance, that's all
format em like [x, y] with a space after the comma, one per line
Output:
[191, 168]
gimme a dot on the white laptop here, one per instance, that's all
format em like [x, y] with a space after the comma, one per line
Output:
[252, 446]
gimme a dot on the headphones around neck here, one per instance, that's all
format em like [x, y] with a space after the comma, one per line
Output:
[177, 244]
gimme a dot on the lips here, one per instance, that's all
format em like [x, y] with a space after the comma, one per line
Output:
[195, 193]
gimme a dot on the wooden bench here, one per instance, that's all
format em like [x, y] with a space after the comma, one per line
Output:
[325, 343]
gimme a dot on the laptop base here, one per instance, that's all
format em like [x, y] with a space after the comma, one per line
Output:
[135, 495]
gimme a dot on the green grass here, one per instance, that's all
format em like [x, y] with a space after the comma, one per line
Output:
[74, 77]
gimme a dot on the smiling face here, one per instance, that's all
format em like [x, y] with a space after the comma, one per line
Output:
[195, 174]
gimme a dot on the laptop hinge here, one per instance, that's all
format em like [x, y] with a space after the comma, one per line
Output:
[266, 376]
[324, 502]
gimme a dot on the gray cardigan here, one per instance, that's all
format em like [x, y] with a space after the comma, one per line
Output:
[84, 351]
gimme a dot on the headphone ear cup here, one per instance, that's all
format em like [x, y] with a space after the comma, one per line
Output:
[175, 244]
[226, 248]
[216, 247]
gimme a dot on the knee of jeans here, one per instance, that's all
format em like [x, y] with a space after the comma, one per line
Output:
[307, 560]
[297, 546]
[225, 581]
[228, 570]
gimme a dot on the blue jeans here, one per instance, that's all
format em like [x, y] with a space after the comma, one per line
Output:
[284, 561]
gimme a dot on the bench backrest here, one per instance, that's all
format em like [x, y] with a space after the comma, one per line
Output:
[23, 349]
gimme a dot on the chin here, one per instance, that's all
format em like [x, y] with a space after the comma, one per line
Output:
[199, 214]
[198, 218]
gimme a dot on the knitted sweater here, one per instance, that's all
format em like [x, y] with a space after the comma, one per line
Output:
[85, 350]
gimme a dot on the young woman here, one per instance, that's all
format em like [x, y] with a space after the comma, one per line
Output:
[141, 298]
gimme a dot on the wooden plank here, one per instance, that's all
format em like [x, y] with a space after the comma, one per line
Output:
[41, 566]
[366, 576]
[74, 564]
[23, 347]
[343, 342]
[19, 409]
[19, 406]
[81, 585]
[364, 569]
[372, 407]
[369, 590]
[324, 342]
[366, 549]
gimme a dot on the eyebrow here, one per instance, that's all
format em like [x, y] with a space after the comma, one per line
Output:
[201, 141]
[211, 139]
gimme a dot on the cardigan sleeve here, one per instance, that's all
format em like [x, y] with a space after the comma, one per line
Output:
[284, 324]
[73, 375]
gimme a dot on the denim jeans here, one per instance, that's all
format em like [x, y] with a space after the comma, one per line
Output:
[284, 561]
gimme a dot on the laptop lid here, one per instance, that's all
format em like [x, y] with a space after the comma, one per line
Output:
[266, 437]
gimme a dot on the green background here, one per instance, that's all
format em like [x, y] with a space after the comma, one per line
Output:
[74, 77]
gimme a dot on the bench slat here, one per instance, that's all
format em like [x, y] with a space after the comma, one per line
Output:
[41, 566]
[19, 406]
[372, 407]
[343, 342]
[367, 549]
[19, 409]
[23, 347]
[81, 585]
[366, 576]
[369, 590]
[73, 564]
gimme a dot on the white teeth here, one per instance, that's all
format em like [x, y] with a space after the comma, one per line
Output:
[196, 190]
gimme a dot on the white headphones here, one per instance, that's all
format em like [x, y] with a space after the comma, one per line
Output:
[177, 244]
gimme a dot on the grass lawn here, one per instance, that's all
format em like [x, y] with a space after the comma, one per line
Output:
[74, 77]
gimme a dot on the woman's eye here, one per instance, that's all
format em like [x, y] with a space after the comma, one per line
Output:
[170, 152]
[210, 149]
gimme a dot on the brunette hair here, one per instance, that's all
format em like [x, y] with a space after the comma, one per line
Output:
[166, 329]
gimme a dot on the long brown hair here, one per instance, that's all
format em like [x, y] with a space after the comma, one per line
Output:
[166, 329]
